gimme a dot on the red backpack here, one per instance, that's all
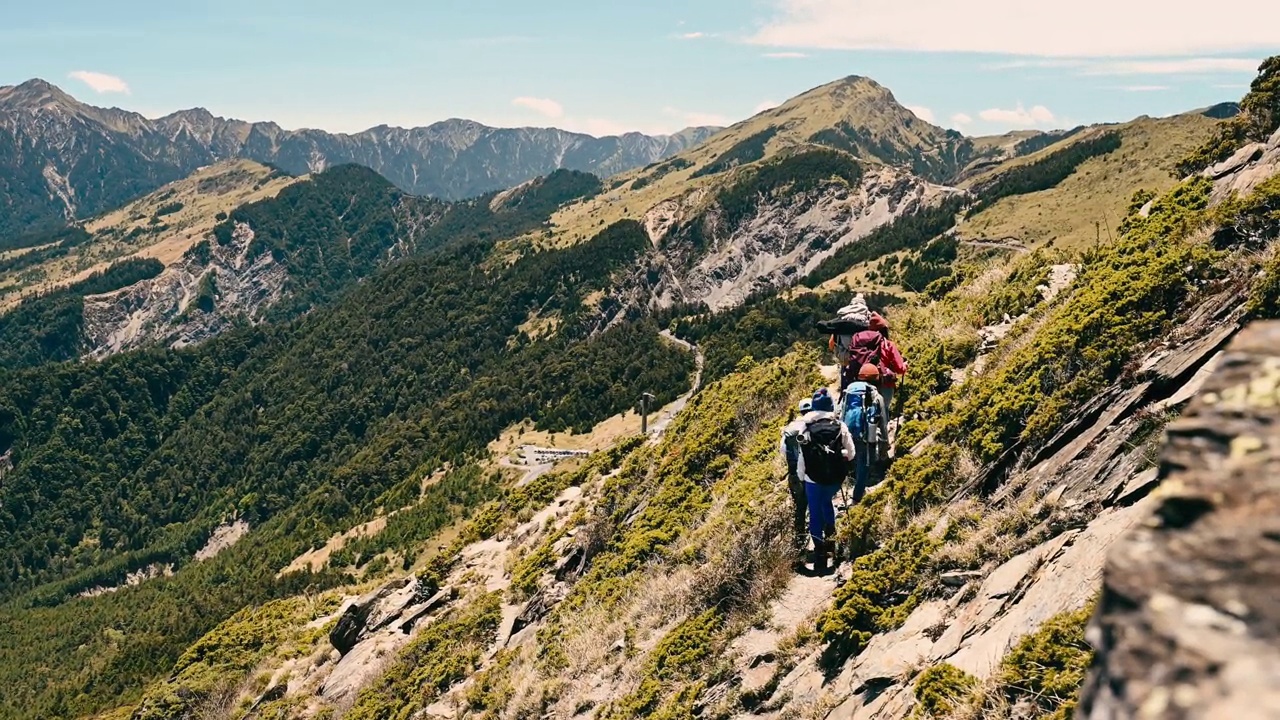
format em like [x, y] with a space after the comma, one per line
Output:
[865, 348]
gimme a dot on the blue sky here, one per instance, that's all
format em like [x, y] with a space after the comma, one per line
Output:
[605, 66]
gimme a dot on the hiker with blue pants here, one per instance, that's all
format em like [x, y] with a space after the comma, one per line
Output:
[867, 418]
[826, 450]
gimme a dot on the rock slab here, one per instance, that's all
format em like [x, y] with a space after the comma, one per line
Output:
[1189, 621]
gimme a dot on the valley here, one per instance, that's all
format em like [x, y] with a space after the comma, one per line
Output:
[260, 424]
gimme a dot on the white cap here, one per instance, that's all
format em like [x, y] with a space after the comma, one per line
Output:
[806, 405]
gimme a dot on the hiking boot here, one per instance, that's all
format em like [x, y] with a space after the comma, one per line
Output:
[820, 559]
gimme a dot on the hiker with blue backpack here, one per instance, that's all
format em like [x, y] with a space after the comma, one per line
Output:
[866, 416]
[825, 452]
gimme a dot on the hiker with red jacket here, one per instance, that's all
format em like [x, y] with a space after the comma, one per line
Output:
[892, 361]
[873, 347]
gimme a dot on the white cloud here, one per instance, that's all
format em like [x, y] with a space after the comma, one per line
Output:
[1184, 66]
[922, 112]
[764, 106]
[1092, 28]
[961, 119]
[693, 36]
[1165, 66]
[1143, 88]
[542, 106]
[101, 82]
[1019, 117]
[785, 55]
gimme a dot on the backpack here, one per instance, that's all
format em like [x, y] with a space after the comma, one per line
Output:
[862, 412]
[792, 446]
[823, 449]
[867, 348]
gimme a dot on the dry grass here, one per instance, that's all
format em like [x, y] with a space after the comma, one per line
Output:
[985, 702]
[1091, 202]
[991, 537]
[815, 709]
[316, 559]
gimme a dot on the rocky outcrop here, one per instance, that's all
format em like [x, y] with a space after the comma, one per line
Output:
[1248, 168]
[192, 300]
[1189, 621]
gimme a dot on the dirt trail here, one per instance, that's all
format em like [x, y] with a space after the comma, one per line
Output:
[667, 414]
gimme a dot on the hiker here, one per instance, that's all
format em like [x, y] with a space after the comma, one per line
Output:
[850, 320]
[826, 449]
[873, 346]
[799, 501]
[866, 415]
[893, 361]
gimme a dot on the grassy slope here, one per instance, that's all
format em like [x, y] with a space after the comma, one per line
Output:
[1097, 194]
[215, 189]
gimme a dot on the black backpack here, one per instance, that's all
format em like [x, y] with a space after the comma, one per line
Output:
[823, 450]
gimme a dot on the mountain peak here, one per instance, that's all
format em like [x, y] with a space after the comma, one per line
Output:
[853, 87]
[195, 113]
[35, 93]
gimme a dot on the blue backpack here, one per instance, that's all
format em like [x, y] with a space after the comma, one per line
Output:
[861, 413]
[792, 445]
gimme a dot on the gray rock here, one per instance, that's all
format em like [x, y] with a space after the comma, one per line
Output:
[1245, 155]
[1189, 621]
[958, 578]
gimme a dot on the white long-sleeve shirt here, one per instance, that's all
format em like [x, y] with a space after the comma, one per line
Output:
[798, 426]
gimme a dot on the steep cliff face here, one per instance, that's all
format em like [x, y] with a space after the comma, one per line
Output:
[210, 289]
[781, 241]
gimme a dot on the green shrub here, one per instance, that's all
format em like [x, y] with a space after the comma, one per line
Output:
[1259, 117]
[939, 688]
[1126, 295]
[222, 658]
[878, 595]
[1047, 667]
[1019, 292]
[676, 657]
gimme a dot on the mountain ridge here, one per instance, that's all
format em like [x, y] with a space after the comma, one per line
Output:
[66, 160]
[27, 90]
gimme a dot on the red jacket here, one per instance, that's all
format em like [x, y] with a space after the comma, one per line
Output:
[892, 359]
[889, 353]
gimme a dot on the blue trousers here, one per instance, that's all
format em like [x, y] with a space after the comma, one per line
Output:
[861, 468]
[822, 513]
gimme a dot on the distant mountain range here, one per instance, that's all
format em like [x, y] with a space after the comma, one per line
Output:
[61, 159]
